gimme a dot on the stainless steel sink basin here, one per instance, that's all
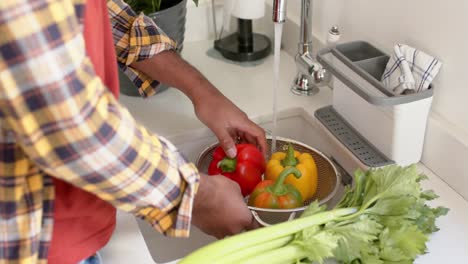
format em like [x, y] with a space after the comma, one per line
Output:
[294, 124]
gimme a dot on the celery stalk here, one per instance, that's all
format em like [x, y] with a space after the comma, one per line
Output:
[216, 251]
[238, 256]
[287, 254]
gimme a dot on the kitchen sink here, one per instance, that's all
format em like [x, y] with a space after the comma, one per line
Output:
[294, 124]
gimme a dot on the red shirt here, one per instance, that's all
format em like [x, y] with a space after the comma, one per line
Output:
[83, 223]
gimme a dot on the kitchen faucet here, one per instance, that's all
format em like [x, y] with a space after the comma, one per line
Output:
[310, 74]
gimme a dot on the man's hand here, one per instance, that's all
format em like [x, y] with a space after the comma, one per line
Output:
[219, 208]
[216, 111]
[229, 123]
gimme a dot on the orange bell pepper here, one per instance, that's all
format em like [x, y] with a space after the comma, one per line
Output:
[276, 194]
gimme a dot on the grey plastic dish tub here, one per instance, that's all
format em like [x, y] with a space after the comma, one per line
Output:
[394, 124]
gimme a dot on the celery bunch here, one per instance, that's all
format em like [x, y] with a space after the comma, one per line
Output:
[383, 219]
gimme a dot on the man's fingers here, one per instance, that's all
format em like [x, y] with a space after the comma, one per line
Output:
[256, 136]
[253, 225]
[250, 139]
[228, 144]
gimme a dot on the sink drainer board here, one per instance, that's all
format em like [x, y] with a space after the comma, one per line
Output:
[349, 137]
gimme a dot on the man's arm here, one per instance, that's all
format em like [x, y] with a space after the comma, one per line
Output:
[146, 55]
[224, 118]
[73, 128]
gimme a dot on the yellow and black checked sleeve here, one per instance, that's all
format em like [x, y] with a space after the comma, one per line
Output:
[73, 128]
[136, 38]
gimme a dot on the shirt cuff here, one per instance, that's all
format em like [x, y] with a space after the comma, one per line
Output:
[177, 221]
[146, 40]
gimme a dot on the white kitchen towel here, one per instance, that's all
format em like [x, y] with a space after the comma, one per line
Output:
[410, 70]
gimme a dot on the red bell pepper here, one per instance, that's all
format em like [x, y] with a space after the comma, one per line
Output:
[276, 194]
[246, 169]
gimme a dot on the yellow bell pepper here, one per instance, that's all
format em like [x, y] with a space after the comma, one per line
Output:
[304, 162]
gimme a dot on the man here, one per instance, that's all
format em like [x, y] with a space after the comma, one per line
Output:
[70, 153]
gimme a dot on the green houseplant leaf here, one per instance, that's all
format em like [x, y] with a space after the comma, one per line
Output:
[151, 6]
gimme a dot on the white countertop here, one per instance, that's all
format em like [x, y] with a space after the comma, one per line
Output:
[170, 114]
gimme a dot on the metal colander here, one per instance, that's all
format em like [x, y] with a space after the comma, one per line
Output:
[328, 180]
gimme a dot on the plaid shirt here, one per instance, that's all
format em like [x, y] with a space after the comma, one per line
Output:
[58, 120]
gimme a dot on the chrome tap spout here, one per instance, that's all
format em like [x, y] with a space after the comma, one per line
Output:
[279, 11]
[310, 74]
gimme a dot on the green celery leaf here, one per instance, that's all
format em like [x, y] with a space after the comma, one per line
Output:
[427, 218]
[308, 233]
[360, 184]
[399, 205]
[440, 211]
[422, 177]
[370, 190]
[364, 228]
[429, 195]
[314, 208]
[404, 243]
[355, 237]
[391, 254]
[416, 211]
[396, 181]
[347, 197]
[354, 196]
[367, 258]
[394, 222]
[399, 262]
[319, 246]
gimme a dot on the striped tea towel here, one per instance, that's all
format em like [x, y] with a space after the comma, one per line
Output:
[410, 70]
